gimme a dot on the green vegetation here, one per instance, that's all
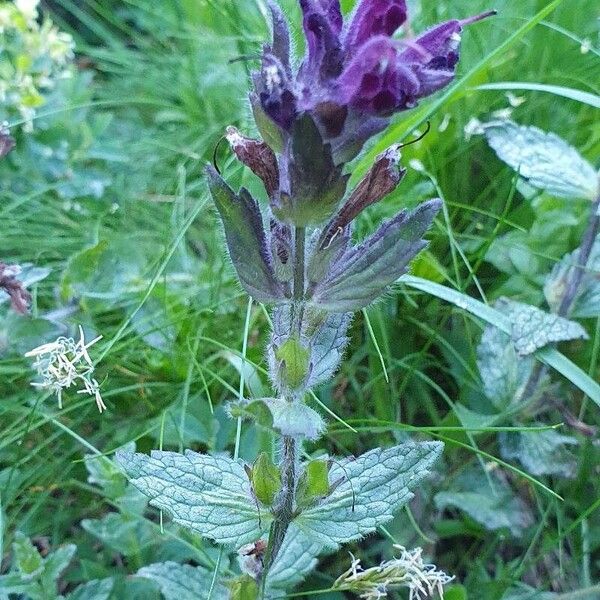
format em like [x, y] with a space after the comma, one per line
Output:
[104, 205]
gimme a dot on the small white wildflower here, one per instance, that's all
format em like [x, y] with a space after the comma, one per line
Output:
[586, 46]
[514, 100]
[504, 114]
[64, 363]
[473, 127]
[28, 8]
[407, 571]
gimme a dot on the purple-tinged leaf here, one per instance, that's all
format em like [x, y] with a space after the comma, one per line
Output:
[246, 239]
[257, 156]
[364, 272]
[281, 35]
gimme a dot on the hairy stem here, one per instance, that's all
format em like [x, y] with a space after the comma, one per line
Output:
[283, 510]
[572, 289]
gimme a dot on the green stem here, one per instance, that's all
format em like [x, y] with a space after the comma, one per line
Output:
[283, 510]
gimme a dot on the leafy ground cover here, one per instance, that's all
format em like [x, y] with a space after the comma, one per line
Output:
[105, 207]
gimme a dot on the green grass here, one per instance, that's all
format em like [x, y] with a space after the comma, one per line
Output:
[178, 342]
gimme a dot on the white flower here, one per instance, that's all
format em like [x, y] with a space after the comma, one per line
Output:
[407, 571]
[64, 363]
[28, 8]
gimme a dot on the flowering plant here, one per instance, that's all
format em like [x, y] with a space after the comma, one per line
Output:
[32, 59]
[313, 121]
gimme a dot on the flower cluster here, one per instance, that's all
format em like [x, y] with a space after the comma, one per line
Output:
[407, 571]
[33, 58]
[64, 363]
[313, 120]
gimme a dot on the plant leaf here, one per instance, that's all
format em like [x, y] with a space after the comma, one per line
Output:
[98, 589]
[540, 452]
[26, 557]
[182, 582]
[327, 346]
[367, 491]
[208, 494]
[364, 272]
[551, 356]
[295, 560]
[246, 240]
[543, 159]
[533, 328]
[497, 508]
[504, 374]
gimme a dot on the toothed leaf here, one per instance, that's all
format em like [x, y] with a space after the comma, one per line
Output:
[546, 161]
[364, 272]
[208, 494]
[367, 491]
[182, 582]
[246, 239]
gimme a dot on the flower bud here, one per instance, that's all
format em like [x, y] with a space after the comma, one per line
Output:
[293, 360]
[382, 179]
[266, 479]
[313, 483]
[244, 588]
[257, 156]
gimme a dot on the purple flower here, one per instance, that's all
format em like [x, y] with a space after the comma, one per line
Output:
[373, 18]
[359, 67]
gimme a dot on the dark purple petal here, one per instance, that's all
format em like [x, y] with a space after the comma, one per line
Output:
[373, 18]
[19, 296]
[324, 53]
[328, 8]
[275, 91]
[433, 56]
[7, 142]
[375, 82]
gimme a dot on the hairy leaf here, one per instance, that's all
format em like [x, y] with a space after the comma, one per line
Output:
[246, 240]
[295, 560]
[120, 533]
[540, 452]
[208, 494]
[317, 184]
[503, 372]
[27, 559]
[533, 328]
[367, 491]
[182, 582]
[327, 346]
[543, 159]
[364, 272]
[295, 419]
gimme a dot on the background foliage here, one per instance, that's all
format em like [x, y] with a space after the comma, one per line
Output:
[105, 196]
